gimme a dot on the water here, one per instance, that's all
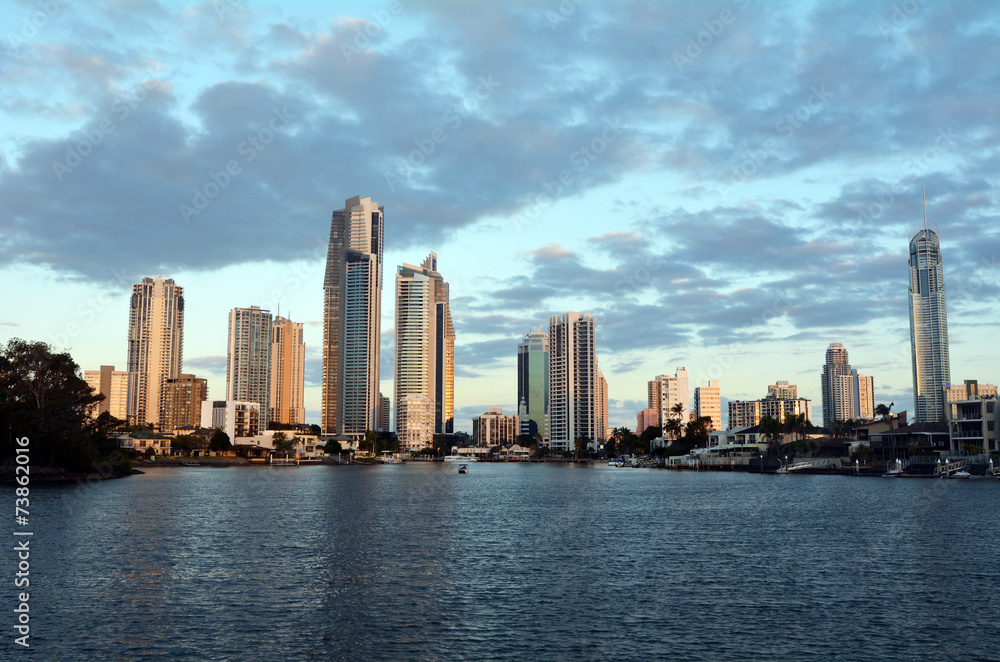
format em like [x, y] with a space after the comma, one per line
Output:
[508, 562]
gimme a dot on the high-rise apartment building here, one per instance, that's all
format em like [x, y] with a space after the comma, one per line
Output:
[602, 408]
[415, 422]
[671, 391]
[384, 420]
[182, 400]
[288, 365]
[653, 397]
[113, 385]
[928, 325]
[248, 360]
[155, 346]
[863, 387]
[352, 319]
[838, 403]
[573, 394]
[747, 413]
[783, 391]
[494, 428]
[708, 403]
[425, 342]
[533, 384]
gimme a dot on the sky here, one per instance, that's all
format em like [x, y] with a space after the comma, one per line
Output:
[728, 187]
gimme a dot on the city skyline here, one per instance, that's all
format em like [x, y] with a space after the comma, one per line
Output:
[727, 196]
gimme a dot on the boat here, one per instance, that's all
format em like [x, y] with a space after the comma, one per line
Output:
[461, 458]
[463, 468]
[963, 474]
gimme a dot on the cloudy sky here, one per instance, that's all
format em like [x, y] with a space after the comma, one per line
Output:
[726, 186]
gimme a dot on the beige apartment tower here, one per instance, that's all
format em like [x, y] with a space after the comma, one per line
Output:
[155, 346]
[248, 361]
[352, 319]
[113, 385]
[182, 398]
[708, 403]
[288, 362]
[573, 389]
[425, 343]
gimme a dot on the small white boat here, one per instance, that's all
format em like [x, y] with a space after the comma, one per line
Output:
[463, 468]
[963, 474]
[461, 458]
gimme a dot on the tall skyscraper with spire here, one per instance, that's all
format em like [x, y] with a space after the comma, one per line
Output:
[155, 346]
[425, 346]
[928, 324]
[352, 319]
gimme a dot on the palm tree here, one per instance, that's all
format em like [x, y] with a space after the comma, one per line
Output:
[771, 429]
[885, 412]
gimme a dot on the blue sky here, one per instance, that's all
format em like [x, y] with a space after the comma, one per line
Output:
[728, 187]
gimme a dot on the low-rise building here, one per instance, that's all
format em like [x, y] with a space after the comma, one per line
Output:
[973, 423]
[237, 419]
[494, 428]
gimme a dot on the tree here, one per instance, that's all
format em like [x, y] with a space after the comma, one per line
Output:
[581, 445]
[282, 444]
[884, 411]
[771, 429]
[43, 397]
[333, 447]
[697, 431]
[219, 441]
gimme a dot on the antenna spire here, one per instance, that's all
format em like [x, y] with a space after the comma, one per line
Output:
[923, 183]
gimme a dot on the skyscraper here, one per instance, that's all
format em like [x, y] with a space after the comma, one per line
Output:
[671, 390]
[838, 404]
[863, 387]
[248, 361]
[928, 325]
[572, 380]
[182, 401]
[352, 319]
[155, 346]
[533, 383]
[601, 404]
[113, 385]
[708, 403]
[425, 342]
[288, 352]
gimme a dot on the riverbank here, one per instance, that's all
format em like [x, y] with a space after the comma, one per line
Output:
[58, 475]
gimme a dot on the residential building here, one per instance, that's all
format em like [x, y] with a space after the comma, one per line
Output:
[384, 419]
[783, 391]
[248, 359]
[672, 390]
[113, 385]
[352, 319]
[239, 420]
[288, 372]
[573, 412]
[425, 342]
[494, 428]
[646, 418]
[969, 390]
[973, 422]
[928, 325]
[182, 402]
[838, 403]
[533, 384]
[708, 403]
[415, 422]
[863, 392]
[653, 397]
[155, 346]
[601, 399]
[748, 413]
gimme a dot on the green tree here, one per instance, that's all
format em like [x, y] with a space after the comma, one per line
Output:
[282, 444]
[333, 447]
[219, 441]
[771, 429]
[885, 412]
[43, 397]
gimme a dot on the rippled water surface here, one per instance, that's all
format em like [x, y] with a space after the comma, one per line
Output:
[512, 562]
